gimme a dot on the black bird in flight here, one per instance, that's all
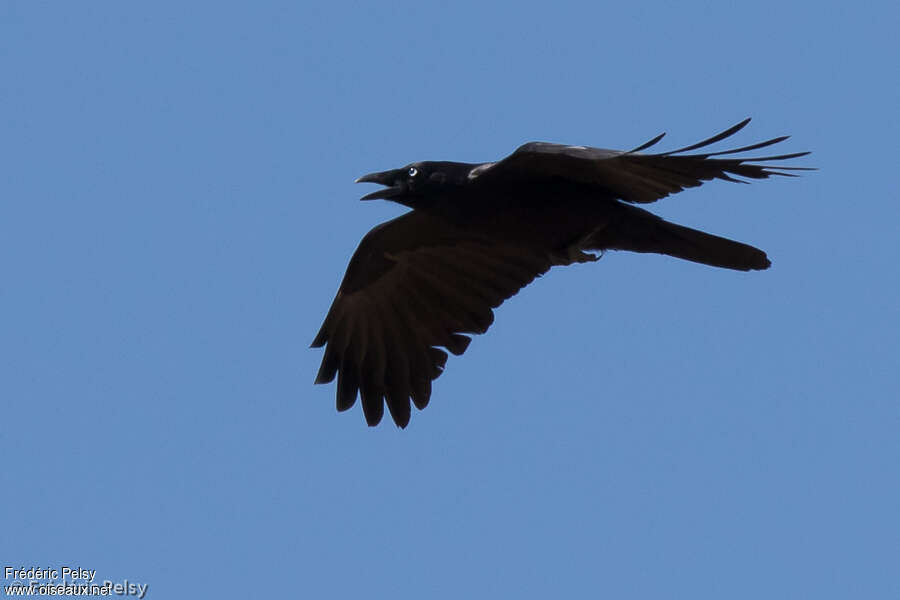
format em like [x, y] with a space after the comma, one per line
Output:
[478, 233]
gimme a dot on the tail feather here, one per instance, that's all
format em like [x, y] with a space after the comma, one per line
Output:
[637, 230]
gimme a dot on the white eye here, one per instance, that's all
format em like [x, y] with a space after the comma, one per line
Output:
[413, 171]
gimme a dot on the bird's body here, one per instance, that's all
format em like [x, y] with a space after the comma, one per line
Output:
[480, 232]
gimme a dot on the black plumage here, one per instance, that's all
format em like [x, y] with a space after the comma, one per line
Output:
[478, 233]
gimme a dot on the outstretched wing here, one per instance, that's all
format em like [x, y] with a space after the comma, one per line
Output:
[414, 283]
[632, 176]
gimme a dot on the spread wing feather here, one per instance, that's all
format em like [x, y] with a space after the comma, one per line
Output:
[635, 177]
[414, 285]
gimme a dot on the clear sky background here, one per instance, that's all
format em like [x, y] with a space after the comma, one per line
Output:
[177, 209]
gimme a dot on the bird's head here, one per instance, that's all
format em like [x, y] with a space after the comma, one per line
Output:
[415, 183]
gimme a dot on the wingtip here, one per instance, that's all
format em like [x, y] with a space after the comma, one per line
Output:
[648, 144]
[321, 337]
[711, 140]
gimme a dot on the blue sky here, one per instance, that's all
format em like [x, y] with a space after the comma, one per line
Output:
[177, 208]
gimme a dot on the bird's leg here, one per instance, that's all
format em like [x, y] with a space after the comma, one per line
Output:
[575, 252]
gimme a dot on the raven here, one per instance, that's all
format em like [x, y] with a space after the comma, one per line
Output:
[478, 233]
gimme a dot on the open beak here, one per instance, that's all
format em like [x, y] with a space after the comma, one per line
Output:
[391, 179]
